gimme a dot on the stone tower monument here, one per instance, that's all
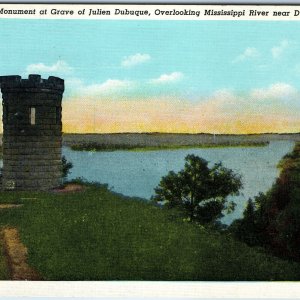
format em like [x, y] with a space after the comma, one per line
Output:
[32, 132]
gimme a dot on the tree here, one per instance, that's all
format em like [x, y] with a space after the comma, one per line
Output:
[245, 229]
[198, 190]
[66, 167]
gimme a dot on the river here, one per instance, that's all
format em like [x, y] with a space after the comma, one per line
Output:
[138, 173]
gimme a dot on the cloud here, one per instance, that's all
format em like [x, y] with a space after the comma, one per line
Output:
[278, 50]
[135, 59]
[278, 97]
[249, 52]
[280, 91]
[108, 87]
[274, 108]
[166, 78]
[279, 101]
[60, 67]
[73, 83]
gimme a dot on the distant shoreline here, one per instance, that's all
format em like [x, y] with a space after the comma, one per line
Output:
[136, 148]
[168, 141]
[181, 133]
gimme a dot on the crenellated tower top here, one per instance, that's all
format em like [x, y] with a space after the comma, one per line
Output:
[15, 82]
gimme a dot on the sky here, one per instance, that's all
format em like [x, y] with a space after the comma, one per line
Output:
[163, 76]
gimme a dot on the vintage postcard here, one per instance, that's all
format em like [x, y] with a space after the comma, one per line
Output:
[144, 145]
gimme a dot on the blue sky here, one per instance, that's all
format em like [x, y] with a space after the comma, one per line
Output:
[202, 50]
[188, 61]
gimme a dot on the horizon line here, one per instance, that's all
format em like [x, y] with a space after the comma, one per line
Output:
[182, 133]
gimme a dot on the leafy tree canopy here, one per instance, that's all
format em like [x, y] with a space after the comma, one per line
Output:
[198, 190]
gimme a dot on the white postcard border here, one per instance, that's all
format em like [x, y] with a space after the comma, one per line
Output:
[152, 290]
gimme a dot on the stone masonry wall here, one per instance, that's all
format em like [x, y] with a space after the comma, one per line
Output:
[31, 151]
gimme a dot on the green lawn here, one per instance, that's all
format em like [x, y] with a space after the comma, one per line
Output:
[99, 235]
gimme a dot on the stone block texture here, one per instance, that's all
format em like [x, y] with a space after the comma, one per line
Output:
[32, 132]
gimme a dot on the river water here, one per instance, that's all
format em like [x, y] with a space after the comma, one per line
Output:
[138, 173]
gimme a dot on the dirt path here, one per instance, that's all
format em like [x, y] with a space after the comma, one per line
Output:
[3, 206]
[69, 188]
[16, 254]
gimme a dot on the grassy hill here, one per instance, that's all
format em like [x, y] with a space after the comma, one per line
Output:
[99, 235]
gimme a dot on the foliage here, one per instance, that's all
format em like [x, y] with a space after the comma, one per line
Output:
[273, 221]
[198, 190]
[250, 229]
[66, 167]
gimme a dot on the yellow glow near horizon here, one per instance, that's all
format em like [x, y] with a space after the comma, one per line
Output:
[174, 116]
[164, 115]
